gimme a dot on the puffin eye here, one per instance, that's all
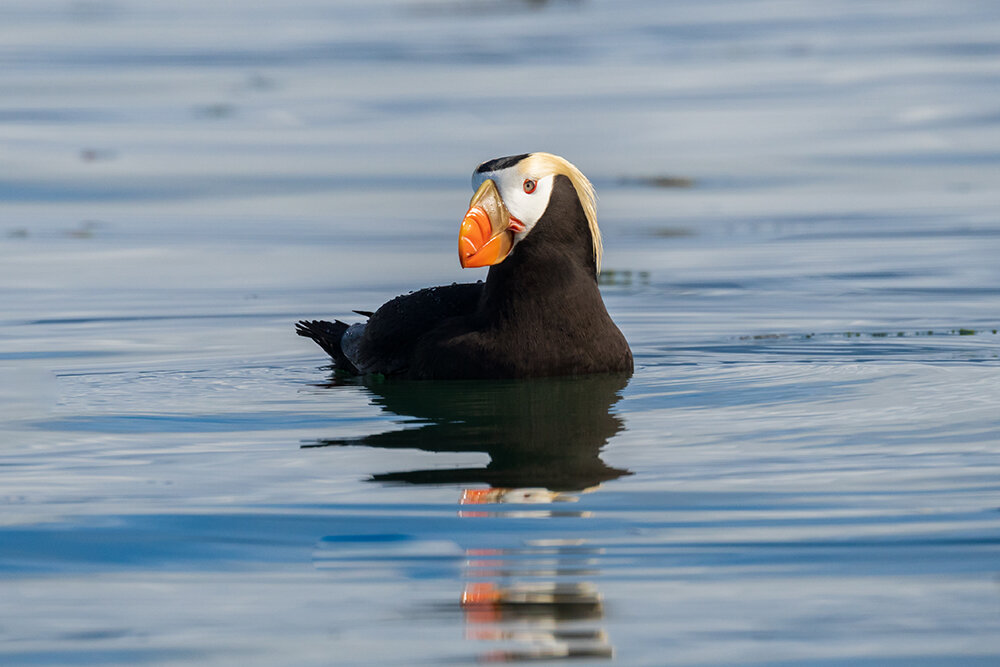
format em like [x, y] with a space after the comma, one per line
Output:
[529, 185]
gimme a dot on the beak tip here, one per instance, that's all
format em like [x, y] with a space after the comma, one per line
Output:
[484, 238]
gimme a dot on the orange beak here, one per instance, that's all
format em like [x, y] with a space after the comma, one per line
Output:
[485, 237]
[479, 496]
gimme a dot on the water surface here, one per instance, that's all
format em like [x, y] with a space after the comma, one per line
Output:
[799, 205]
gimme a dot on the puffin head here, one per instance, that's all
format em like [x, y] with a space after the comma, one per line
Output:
[512, 194]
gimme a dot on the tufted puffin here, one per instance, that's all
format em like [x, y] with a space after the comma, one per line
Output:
[533, 221]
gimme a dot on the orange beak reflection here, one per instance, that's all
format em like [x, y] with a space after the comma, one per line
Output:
[485, 237]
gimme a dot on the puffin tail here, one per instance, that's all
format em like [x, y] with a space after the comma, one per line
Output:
[328, 335]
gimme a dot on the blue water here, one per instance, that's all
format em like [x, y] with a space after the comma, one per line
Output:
[800, 210]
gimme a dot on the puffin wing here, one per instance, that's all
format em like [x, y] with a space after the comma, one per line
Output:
[385, 343]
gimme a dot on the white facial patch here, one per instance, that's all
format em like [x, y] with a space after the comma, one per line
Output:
[526, 207]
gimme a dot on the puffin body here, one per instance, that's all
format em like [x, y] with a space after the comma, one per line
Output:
[539, 313]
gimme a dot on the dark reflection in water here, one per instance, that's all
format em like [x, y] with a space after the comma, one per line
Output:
[544, 439]
[539, 434]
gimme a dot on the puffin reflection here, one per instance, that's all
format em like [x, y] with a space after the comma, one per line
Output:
[544, 439]
[543, 436]
[541, 621]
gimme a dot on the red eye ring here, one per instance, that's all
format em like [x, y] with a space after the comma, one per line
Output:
[529, 185]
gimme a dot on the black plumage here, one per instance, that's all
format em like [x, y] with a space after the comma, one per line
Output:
[500, 163]
[539, 313]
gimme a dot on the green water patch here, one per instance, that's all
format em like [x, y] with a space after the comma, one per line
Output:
[662, 181]
[962, 331]
[611, 277]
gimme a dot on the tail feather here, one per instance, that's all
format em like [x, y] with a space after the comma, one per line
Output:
[327, 335]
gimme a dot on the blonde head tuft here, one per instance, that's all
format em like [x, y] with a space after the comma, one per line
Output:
[547, 163]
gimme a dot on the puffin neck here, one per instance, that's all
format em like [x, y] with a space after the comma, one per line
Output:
[552, 268]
